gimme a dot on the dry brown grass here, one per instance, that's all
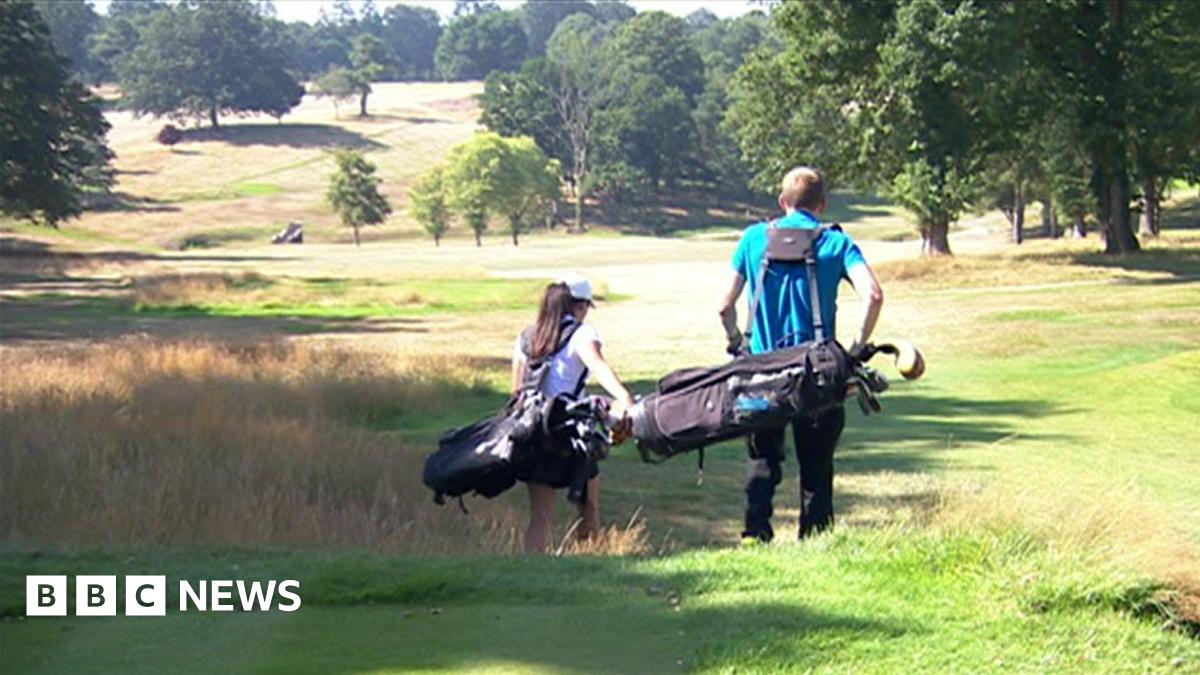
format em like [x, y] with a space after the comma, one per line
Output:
[1109, 526]
[199, 443]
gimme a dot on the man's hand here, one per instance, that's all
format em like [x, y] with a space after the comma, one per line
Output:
[737, 344]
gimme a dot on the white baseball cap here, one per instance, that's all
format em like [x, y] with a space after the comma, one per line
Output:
[579, 286]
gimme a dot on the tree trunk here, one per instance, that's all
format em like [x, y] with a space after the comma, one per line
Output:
[212, 117]
[578, 190]
[362, 104]
[1118, 230]
[1148, 225]
[1018, 219]
[1049, 218]
[437, 240]
[935, 239]
[478, 238]
[1080, 226]
[356, 241]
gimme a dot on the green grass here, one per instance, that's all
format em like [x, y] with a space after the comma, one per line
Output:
[862, 601]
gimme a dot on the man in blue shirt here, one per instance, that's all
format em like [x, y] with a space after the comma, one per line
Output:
[784, 319]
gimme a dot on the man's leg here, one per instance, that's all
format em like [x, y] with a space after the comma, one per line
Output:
[763, 474]
[816, 441]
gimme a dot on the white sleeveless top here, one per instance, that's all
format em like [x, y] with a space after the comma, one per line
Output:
[566, 367]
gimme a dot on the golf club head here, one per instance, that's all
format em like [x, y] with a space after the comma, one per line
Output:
[909, 360]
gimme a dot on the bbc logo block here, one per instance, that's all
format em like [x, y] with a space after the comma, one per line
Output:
[95, 595]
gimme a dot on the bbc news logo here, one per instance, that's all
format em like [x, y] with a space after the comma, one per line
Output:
[146, 595]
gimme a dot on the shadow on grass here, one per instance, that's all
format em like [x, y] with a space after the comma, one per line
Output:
[692, 209]
[123, 202]
[282, 135]
[31, 258]
[917, 433]
[1179, 263]
[64, 316]
[369, 613]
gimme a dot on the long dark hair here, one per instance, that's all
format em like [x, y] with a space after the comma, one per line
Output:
[557, 304]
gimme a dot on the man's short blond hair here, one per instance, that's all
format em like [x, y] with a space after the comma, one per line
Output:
[803, 188]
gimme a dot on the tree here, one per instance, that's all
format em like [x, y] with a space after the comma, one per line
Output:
[369, 59]
[206, 59]
[54, 150]
[412, 34]
[508, 177]
[724, 46]
[613, 11]
[523, 104]
[337, 85]
[649, 128]
[1128, 87]
[880, 94]
[427, 204]
[540, 19]
[354, 192]
[656, 43]
[72, 25]
[527, 184]
[700, 20]
[312, 50]
[476, 44]
[469, 7]
[581, 88]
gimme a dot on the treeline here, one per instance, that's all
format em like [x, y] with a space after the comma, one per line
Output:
[1089, 106]
[631, 105]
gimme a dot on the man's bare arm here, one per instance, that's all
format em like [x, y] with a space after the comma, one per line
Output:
[866, 285]
[728, 309]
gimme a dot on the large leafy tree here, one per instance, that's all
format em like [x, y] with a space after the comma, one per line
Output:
[657, 43]
[412, 34]
[724, 46]
[522, 104]
[475, 44]
[53, 150]
[119, 34]
[203, 60]
[883, 95]
[540, 19]
[354, 192]
[72, 25]
[645, 133]
[1127, 91]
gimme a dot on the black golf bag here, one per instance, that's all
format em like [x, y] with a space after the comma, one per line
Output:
[696, 407]
[488, 457]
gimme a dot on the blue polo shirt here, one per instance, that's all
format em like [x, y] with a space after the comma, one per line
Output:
[784, 318]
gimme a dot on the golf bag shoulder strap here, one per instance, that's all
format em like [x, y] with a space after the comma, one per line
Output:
[537, 370]
[797, 245]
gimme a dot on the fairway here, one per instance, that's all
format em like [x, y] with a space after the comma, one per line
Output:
[249, 411]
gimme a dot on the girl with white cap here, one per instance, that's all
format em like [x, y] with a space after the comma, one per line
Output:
[574, 350]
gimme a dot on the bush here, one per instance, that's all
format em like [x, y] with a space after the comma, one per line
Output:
[170, 135]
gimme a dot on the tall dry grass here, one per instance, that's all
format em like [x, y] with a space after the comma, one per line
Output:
[1112, 527]
[145, 442]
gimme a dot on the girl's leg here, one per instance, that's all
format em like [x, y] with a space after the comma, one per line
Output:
[589, 512]
[541, 517]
